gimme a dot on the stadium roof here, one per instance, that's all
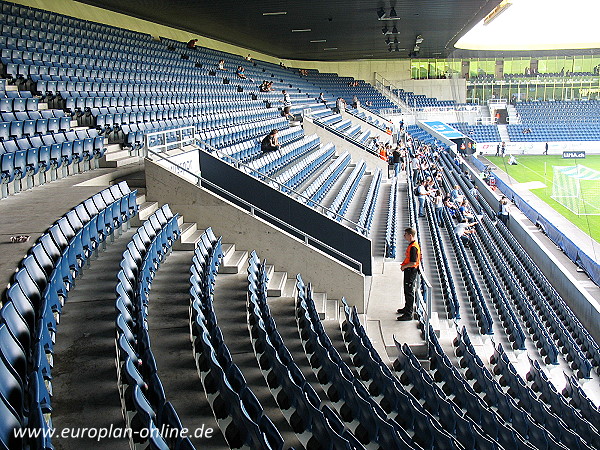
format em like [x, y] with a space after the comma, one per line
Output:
[339, 29]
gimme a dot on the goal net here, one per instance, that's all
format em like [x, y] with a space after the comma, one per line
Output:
[577, 188]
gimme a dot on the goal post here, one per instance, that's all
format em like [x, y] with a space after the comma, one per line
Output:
[577, 188]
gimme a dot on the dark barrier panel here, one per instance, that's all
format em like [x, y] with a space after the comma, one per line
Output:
[288, 210]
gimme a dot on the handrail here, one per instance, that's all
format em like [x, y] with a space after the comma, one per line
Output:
[386, 86]
[344, 136]
[253, 210]
[427, 298]
[281, 187]
[365, 120]
[163, 144]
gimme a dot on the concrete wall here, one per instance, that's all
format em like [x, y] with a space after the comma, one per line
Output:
[249, 232]
[584, 306]
[392, 70]
[341, 145]
[446, 89]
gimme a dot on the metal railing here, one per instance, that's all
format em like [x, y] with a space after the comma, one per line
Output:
[257, 212]
[386, 87]
[343, 136]
[158, 140]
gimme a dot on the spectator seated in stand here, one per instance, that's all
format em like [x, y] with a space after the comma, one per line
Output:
[221, 65]
[270, 142]
[192, 43]
[240, 74]
[463, 230]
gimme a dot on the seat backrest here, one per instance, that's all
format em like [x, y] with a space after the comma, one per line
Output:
[13, 354]
[8, 423]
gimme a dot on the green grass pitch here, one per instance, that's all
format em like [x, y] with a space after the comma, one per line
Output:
[539, 168]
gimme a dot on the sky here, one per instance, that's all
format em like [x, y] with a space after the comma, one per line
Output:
[538, 25]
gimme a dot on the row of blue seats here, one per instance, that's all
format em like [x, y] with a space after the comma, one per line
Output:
[28, 39]
[368, 210]
[272, 162]
[27, 27]
[248, 150]
[238, 412]
[516, 407]
[549, 397]
[566, 329]
[316, 191]
[391, 229]
[143, 400]
[536, 308]
[16, 129]
[315, 423]
[26, 12]
[512, 427]
[472, 429]
[298, 172]
[33, 302]
[196, 85]
[340, 203]
[446, 279]
[367, 118]
[192, 115]
[74, 103]
[474, 291]
[18, 104]
[487, 232]
[16, 94]
[29, 156]
[13, 38]
[426, 427]
[360, 412]
[205, 109]
[505, 311]
[227, 136]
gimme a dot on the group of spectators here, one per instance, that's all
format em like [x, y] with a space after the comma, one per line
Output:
[266, 86]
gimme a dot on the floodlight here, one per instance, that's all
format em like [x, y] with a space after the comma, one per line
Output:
[380, 13]
[394, 30]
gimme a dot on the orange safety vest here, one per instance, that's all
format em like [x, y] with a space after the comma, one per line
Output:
[419, 256]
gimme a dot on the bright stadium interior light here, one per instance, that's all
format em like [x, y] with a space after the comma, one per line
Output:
[537, 25]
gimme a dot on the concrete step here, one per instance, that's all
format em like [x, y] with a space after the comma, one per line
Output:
[10, 87]
[235, 262]
[144, 211]
[187, 229]
[140, 198]
[440, 326]
[320, 299]
[332, 309]
[289, 289]
[116, 154]
[270, 269]
[276, 285]
[118, 162]
[228, 250]
[190, 240]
